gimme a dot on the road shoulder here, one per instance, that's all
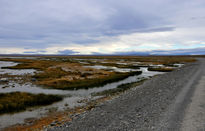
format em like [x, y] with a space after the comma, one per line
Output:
[194, 119]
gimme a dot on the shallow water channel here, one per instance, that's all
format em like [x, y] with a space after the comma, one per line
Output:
[73, 97]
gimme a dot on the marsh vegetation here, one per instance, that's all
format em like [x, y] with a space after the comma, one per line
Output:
[48, 81]
[69, 72]
[121, 88]
[18, 101]
[55, 74]
[161, 69]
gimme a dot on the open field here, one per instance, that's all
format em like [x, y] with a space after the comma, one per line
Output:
[95, 76]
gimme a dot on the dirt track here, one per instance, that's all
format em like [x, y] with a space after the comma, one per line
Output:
[172, 101]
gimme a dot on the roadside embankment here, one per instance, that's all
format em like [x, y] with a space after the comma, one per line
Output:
[144, 107]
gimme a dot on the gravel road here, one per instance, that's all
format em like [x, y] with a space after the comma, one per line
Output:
[165, 102]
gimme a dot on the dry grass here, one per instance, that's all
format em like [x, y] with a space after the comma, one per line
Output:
[157, 59]
[85, 83]
[62, 72]
[41, 64]
[65, 75]
[30, 64]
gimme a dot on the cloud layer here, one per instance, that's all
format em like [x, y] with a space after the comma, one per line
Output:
[194, 51]
[86, 26]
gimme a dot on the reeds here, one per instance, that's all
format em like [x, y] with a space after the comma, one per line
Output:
[18, 101]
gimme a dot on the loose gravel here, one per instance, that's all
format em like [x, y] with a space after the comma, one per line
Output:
[142, 108]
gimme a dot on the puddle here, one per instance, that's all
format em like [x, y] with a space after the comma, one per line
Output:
[14, 71]
[111, 68]
[119, 63]
[178, 65]
[19, 118]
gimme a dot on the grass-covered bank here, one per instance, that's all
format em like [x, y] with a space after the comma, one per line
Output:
[160, 69]
[19, 101]
[119, 89]
[85, 83]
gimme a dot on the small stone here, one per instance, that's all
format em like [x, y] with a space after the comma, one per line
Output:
[59, 123]
[5, 87]
[133, 121]
[121, 117]
[33, 79]
[53, 124]
[30, 109]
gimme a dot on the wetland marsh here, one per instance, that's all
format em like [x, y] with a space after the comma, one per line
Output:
[76, 79]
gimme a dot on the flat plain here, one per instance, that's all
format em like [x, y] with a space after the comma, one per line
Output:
[82, 83]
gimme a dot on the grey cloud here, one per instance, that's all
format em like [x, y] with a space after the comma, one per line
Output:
[193, 51]
[41, 24]
[30, 52]
[85, 41]
[34, 52]
[49, 21]
[67, 52]
[96, 53]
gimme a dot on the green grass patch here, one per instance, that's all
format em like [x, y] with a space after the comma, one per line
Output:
[19, 101]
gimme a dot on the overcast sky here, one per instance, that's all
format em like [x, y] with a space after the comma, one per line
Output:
[100, 26]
